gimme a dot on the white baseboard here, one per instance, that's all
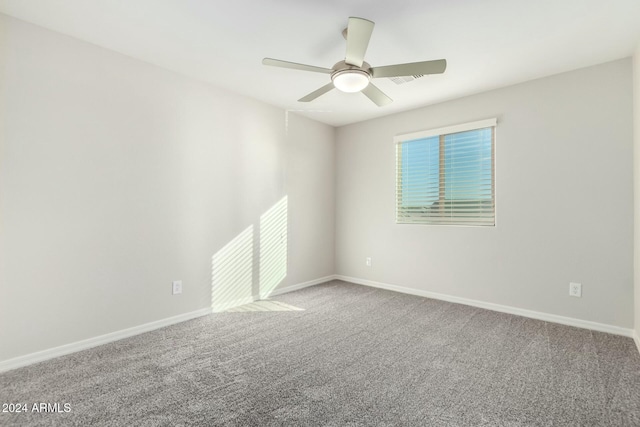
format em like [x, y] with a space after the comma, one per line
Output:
[585, 324]
[636, 338]
[40, 356]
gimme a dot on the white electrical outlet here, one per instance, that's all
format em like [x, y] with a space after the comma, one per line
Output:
[368, 261]
[575, 289]
[176, 287]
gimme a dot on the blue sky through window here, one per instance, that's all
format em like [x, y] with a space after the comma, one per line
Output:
[467, 169]
[420, 164]
[468, 165]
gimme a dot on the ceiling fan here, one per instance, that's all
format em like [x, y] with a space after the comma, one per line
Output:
[353, 74]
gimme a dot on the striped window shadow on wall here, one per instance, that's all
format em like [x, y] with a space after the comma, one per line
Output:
[273, 247]
[253, 264]
[232, 273]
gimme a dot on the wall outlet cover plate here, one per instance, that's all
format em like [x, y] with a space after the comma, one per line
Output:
[176, 287]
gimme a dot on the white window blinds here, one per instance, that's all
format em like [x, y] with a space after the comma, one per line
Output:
[446, 175]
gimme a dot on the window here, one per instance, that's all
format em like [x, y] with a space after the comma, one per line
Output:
[446, 176]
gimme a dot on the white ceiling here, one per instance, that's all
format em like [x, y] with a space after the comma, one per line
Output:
[487, 44]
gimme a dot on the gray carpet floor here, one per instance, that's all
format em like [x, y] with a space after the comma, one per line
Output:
[356, 356]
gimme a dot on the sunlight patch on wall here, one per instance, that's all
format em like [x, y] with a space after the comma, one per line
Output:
[232, 272]
[273, 247]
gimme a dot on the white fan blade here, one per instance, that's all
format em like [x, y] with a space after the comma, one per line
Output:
[411, 69]
[376, 95]
[295, 66]
[316, 93]
[358, 36]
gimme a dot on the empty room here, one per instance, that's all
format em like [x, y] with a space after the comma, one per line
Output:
[301, 213]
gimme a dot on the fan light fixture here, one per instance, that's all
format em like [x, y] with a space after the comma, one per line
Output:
[351, 80]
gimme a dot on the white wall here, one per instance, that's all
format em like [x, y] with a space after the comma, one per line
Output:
[117, 177]
[564, 200]
[636, 188]
[311, 185]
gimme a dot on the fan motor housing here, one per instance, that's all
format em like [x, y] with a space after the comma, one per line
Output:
[343, 66]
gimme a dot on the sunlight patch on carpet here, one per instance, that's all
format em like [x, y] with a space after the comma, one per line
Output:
[264, 305]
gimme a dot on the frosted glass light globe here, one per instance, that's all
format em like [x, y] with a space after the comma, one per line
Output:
[350, 80]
